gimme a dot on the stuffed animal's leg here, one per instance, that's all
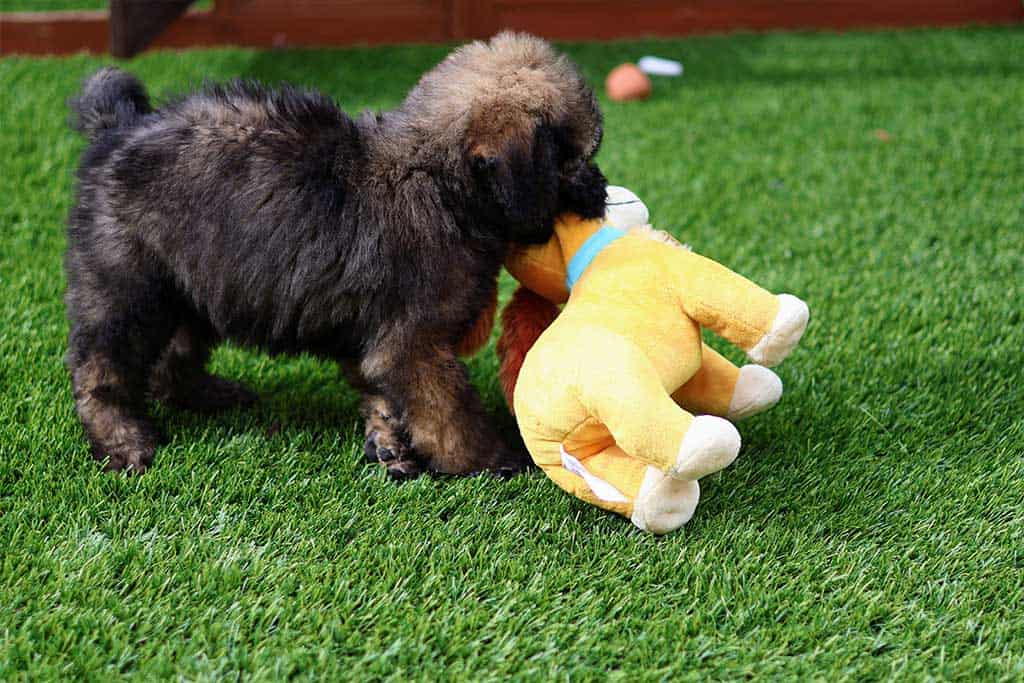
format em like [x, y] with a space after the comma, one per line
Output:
[764, 325]
[627, 396]
[720, 388]
[614, 481]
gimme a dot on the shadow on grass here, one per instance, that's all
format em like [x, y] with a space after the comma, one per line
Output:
[295, 404]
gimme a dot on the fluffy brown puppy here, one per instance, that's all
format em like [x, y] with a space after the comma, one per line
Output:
[270, 218]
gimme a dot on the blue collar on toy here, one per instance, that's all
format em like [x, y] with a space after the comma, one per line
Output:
[589, 251]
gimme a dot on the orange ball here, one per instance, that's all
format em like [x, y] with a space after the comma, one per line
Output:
[627, 82]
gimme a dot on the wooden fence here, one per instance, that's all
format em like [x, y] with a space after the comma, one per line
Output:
[132, 25]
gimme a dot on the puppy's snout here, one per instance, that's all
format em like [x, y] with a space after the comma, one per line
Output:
[581, 172]
[583, 189]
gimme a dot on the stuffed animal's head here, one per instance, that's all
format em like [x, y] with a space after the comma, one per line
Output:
[542, 267]
[541, 272]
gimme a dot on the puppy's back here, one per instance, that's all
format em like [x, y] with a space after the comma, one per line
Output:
[238, 192]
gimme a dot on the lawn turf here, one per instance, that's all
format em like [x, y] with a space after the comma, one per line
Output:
[51, 5]
[872, 526]
[64, 5]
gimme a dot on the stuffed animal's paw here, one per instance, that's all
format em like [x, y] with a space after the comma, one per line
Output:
[711, 444]
[664, 503]
[757, 389]
[787, 329]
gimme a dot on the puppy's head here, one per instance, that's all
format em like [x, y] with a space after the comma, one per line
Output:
[522, 126]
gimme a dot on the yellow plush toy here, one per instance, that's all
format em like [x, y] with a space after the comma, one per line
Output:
[605, 396]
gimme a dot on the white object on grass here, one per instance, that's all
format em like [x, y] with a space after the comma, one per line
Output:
[659, 66]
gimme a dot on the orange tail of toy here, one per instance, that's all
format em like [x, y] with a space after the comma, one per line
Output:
[522, 322]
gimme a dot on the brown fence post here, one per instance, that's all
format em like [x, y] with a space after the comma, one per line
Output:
[134, 24]
[472, 19]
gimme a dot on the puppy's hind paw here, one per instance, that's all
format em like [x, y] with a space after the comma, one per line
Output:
[511, 463]
[508, 471]
[130, 449]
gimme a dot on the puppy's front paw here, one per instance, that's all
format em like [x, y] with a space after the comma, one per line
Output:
[403, 469]
[386, 437]
[398, 459]
[386, 445]
[387, 442]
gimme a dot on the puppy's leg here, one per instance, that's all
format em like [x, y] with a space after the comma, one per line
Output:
[110, 405]
[440, 409]
[180, 377]
[111, 351]
[387, 439]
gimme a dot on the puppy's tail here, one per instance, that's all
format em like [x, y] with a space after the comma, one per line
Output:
[523, 321]
[109, 99]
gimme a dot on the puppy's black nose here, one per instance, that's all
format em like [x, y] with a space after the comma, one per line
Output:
[385, 454]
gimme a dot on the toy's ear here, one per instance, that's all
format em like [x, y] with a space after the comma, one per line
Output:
[540, 268]
[624, 210]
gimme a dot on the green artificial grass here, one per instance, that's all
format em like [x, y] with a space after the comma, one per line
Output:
[51, 5]
[61, 5]
[871, 528]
